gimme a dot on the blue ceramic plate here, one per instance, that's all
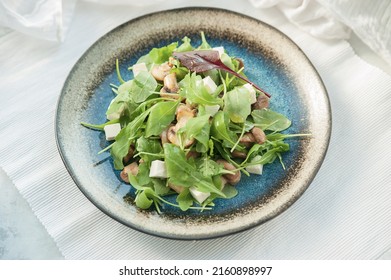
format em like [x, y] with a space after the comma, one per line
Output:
[271, 59]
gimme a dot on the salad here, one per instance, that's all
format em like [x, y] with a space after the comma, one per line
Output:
[190, 124]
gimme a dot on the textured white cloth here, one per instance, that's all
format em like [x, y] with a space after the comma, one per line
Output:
[345, 213]
[335, 19]
[45, 19]
[309, 15]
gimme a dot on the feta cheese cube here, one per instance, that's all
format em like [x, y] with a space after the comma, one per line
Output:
[253, 96]
[256, 168]
[115, 115]
[209, 84]
[137, 68]
[112, 130]
[199, 196]
[219, 49]
[158, 169]
[212, 109]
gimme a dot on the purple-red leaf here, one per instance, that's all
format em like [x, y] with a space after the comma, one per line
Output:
[204, 60]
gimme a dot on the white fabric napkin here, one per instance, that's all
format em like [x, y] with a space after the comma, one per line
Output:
[45, 19]
[345, 213]
[335, 19]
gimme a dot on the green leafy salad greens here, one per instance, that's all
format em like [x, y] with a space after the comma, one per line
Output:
[190, 124]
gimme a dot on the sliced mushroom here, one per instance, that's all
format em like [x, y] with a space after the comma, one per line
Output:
[129, 155]
[130, 168]
[241, 63]
[192, 154]
[232, 179]
[247, 139]
[261, 103]
[170, 83]
[163, 137]
[172, 136]
[178, 189]
[166, 94]
[171, 61]
[259, 135]
[160, 71]
[184, 112]
[239, 154]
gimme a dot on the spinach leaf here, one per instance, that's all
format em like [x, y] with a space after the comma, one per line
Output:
[267, 119]
[162, 114]
[237, 104]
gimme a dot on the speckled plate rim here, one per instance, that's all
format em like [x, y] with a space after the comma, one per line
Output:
[277, 210]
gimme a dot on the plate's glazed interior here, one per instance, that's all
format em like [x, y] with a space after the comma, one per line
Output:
[271, 60]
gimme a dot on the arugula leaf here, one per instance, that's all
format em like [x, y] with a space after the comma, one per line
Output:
[158, 55]
[267, 119]
[197, 128]
[125, 87]
[143, 174]
[185, 46]
[185, 200]
[149, 147]
[208, 167]
[144, 199]
[122, 103]
[204, 44]
[227, 60]
[220, 130]
[124, 138]
[237, 104]
[193, 89]
[162, 114]
[160, 187]
[273, 151]
[280, 136]
[228, 190]
[99, 126]
[181, 172]
[142, 86]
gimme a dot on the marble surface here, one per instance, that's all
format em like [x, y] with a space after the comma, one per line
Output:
[22, 236]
